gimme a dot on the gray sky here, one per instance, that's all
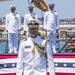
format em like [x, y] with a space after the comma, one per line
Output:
[66, 8]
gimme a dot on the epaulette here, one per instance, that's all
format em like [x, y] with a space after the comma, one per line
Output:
[23, 40]
[34, 13]
[16, 13]
[55, 11]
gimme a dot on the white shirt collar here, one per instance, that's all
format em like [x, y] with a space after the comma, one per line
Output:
[34, 39]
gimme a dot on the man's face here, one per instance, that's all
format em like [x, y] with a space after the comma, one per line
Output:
[33, 32]
[51, 7]
[30, 10]
[13, 9]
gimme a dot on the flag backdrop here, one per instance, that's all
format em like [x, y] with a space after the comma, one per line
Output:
[64, 64]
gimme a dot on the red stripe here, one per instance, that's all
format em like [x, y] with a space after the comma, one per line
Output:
[9, 74]
[5, 56]
[64, 55]
[48, 74]
[65, 73]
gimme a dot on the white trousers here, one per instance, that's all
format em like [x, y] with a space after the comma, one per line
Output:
[13, 42]
[52, 37]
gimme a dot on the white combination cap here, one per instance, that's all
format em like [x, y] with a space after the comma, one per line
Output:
[12, 6]
[34, 23]
[51, 4]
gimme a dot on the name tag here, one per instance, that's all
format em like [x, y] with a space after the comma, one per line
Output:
[27, 46]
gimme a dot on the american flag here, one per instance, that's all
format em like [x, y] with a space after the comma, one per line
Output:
[64, 64]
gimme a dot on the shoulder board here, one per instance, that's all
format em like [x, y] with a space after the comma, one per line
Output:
[34, 13]
[23, 40]
[16, 13]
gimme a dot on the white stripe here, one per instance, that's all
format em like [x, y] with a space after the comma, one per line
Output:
[65, 70]
[60, 69]
[67, 60]
[11, 60]
[10, 70]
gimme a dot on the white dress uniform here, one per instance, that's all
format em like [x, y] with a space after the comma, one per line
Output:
[27, 17]
[13, 24]
[51, 24]
[33, 62]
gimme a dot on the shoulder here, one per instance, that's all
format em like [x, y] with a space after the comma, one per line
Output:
[23, 42]
[55, 12]
[34, 13]
[47, 12]
[45, 42]
[17, 14]
[26, 15]
[39, 37]
[42, 40]
[7, 15]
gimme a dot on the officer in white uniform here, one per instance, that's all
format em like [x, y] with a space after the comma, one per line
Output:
[27, 17]
[51, 25]
[13, 24]
[34, 54]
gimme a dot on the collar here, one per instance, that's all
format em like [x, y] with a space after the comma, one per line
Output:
[52, 11]
[34, 39]
[13, 13]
